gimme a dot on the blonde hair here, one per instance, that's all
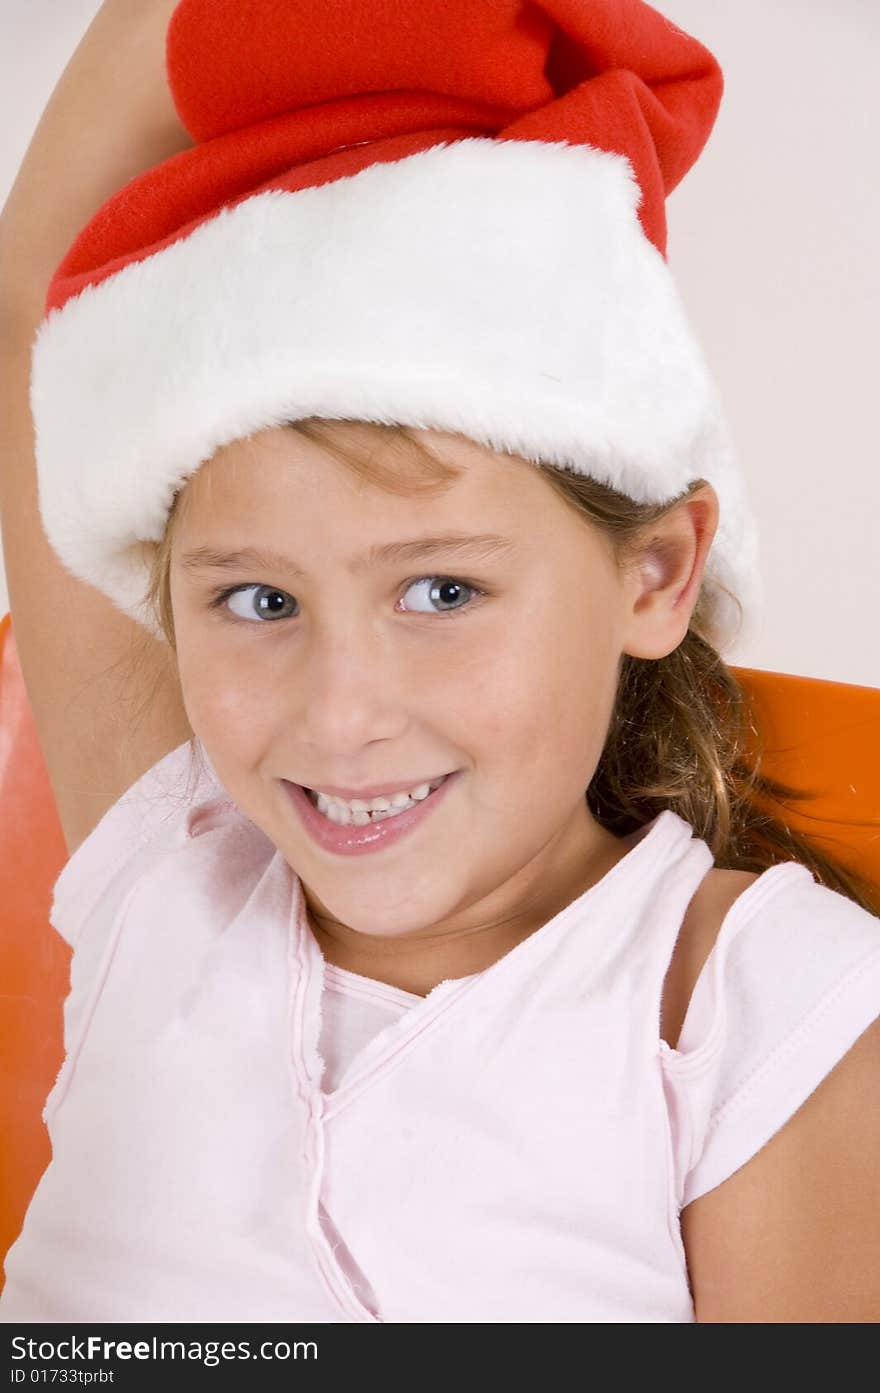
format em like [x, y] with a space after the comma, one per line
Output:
[683, 734]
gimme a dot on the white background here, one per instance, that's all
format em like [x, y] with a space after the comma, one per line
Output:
[774, 238]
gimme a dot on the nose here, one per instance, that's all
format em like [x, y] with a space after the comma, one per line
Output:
[350, 690]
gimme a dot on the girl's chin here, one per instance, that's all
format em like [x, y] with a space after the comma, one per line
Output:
[371, 923]
[366, 911]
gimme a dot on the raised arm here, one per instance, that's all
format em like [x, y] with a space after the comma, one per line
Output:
[109, 118]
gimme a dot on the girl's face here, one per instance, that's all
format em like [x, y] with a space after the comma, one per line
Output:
[378, 675]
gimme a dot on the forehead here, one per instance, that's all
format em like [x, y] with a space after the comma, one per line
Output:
[279, 501]
[281, 475]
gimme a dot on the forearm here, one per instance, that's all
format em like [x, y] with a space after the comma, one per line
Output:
[110, 117]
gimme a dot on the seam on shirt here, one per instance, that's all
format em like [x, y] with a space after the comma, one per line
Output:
[368, 989]
[674, 1183]
[682, 1098]
[784, 1048]
[307, 1077]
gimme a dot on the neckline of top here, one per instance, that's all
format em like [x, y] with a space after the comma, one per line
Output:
[664, 830]
[357, 984]
[399, 1037]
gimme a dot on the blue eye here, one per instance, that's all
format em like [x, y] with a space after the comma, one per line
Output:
[268, 605]
[271, 603]
[444, 590]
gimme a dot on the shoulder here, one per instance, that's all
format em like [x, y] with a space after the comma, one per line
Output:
[793, 1235]
[168, 808]
[708, 908]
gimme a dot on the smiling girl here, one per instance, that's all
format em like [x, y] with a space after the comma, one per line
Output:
[434, 959]
[366, 679]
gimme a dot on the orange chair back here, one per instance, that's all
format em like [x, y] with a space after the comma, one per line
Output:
[825, 735]
[823, 738]
[34, 959]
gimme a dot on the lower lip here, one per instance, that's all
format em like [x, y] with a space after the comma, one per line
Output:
[358, 841]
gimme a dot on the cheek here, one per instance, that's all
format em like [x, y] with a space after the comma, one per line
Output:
[545, 694]
[228, 706]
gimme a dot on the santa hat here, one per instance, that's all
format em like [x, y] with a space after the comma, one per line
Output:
[447, 214]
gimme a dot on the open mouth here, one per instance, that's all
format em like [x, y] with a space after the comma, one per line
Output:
[359, 813]
[337, 827]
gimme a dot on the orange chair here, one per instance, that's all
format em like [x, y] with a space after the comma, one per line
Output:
[34, 959]
[819, 735]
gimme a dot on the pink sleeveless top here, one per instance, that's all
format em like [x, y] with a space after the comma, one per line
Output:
[243, 1132]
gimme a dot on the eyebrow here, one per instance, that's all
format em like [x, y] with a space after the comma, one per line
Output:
[457, 544]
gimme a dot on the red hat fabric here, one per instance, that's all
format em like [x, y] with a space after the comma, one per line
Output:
[268, 112]
[448, 214]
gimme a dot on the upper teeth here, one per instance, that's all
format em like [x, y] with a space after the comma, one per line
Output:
[382, 803]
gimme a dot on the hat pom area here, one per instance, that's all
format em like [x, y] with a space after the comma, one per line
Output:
[343, 244]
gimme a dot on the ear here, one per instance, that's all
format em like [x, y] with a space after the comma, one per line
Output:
[665, 574]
